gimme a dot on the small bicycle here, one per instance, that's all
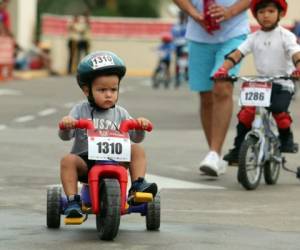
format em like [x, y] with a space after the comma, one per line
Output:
[260, 151]
[105, 194]
[160, 75]
[182, 67]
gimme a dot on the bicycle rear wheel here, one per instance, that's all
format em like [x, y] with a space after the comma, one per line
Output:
[249, 172]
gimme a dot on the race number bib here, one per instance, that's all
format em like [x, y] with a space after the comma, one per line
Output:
[256, 94]
[100, 61]
[109, 145]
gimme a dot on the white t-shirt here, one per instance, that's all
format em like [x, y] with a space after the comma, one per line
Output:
[272, 52]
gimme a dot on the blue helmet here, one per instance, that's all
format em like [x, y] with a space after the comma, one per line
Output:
[99, 63]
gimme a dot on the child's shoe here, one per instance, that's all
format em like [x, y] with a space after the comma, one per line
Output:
[141, 185]
[287, 142]
[74, 207]
[232, 157]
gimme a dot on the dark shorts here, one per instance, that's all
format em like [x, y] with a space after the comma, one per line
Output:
[89, 163]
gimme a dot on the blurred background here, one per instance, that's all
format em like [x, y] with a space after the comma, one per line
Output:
[43, 33]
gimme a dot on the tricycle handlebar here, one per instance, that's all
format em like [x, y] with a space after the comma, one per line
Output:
[81, 123]
[125, 125]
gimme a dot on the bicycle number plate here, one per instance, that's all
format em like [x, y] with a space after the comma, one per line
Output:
[256, 94]
[109, 145]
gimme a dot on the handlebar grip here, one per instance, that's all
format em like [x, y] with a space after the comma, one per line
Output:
[81, 123]
[127, 125]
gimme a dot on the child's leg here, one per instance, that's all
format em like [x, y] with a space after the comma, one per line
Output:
[137, 171]
[138, 162]
[245, 118]
[71, 167]
[281, 100]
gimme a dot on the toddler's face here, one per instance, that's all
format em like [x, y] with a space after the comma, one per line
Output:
[267, 17]
[105, 91]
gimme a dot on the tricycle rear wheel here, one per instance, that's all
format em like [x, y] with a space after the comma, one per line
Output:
[153, 214]
[108, 220]
[53, 207]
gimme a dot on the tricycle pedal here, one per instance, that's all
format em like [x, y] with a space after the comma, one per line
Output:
[140, 197]
[74, 221]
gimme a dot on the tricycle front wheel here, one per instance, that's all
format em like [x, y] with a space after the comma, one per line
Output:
[108, 220]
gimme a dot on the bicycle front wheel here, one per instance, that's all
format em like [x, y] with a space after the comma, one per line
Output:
[272, 167]
[249, 172]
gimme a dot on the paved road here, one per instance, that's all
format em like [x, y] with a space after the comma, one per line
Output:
[197, 212]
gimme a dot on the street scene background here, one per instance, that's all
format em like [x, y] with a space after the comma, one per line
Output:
[197, 212]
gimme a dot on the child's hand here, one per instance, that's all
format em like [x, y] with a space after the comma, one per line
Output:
[221, 73]
[68, 122]
[143, 122]
[296, 74]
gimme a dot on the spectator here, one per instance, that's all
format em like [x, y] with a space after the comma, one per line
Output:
[5, 26]
[75, 30]
[213, 30]
[178, 33]
[84, 42]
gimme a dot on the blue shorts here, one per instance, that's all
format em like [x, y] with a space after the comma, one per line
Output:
[205, 59]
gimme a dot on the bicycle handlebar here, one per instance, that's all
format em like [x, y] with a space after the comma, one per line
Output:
[125, 125]
[253, 78]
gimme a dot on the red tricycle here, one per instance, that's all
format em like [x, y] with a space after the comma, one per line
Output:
[105, 194]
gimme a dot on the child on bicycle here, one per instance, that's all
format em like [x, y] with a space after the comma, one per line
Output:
[99, 75]
[165, 50]
[276, 52]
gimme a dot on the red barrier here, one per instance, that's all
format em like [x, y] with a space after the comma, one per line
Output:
[111, 27]
[6, 58]
[114, 27]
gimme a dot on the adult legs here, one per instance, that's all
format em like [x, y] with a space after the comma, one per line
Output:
[221, 114]
[205, 111]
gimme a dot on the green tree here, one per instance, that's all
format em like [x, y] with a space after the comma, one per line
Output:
[139, 8]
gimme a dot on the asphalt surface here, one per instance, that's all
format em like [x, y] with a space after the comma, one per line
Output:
[197, 212]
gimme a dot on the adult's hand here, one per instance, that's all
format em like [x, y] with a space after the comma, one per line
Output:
[199, 18]
[188, 8]
[219, 12]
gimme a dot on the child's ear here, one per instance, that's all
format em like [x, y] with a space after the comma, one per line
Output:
[85, 90]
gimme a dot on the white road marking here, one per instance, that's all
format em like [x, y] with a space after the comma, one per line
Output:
[168, 183]
[10, 92]
[46, 112]
[2, 126]
[69, 104]
[25, 118]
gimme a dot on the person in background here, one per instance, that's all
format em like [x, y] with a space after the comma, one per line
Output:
[85, 36]
[178, 32]
[296, 30]
[214, 29]
[75, 29]
[5, 25]
[165, 50]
